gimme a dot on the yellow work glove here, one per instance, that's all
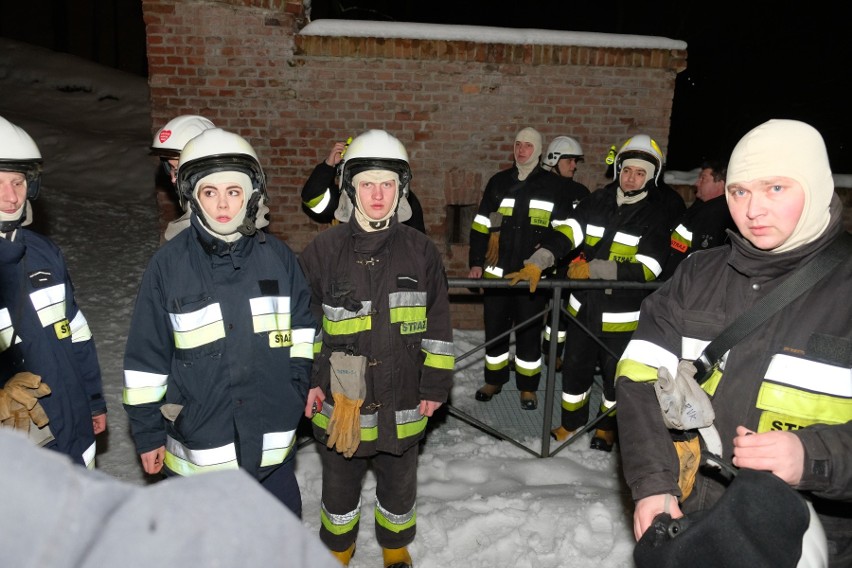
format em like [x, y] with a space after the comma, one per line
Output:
[26, 388]
[529, 272]
[689, 456]
[492, 253]
[578, 270]
[344, 427]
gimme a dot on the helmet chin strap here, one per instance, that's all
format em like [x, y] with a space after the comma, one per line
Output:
[11, 221]
[248, 226]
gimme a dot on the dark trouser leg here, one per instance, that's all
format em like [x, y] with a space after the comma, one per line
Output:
[528, 339]
[608, 363]
[578, 371]
[341, 498]
[396, 492]
[498, 310]
[282, 483]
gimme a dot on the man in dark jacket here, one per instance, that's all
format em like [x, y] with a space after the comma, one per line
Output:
[707, 221]
[521, 207]
[219, 352]
[781, 395]
[385, 357]
[49, 371]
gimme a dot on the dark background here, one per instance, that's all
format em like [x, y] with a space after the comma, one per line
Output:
[747, 61]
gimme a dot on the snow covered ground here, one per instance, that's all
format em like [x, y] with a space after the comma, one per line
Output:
[482, 502]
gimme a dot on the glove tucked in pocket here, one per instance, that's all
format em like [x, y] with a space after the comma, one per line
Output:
[348, 388]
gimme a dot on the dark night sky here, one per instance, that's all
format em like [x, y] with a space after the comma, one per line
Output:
[764, 60]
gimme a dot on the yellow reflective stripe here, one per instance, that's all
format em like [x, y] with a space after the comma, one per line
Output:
[619, 327]
[650, 354]
[810, 375]
[497, 362]
[320, 202]
[594, 233]
[493, 272]
[652, 267]
[89, 456]
[635, 371]
[574, 402]
[340, 321]
[527, 368]
[539, 212]
[270, 313]
[439, 354]
[6, 330]
[682, 235]
[712, 383]
[506, 207]
[303, 343]
[49, 304]
[805, 407]
[407, 313]
[276, 447]
[355, 325]
[619, 317]
[185, 461]
[574, 305]
[481, 223]
[198, 328]
[80, 328]
[409, 423]
[394, 523]
[340, 524]
[141, 387]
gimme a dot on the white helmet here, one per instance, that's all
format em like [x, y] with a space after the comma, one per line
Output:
[375, 150]
[641, 147]
[170, 139]
[19, 153]
[217, 150]
[562, 147]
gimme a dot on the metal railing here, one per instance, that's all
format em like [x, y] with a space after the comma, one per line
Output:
[556, 310]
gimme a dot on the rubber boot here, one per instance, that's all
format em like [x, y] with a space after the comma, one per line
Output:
[561, 434]
[486, 392]
[529, 400]
[396, 557]
[344, 556]
[603, 440]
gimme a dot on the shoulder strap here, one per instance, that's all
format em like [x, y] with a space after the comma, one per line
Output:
[798, 283]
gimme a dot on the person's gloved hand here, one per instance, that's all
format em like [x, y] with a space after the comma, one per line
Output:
[603, 269]
[578, 270]
[344, 427]
[12, 413]
[26, 388]
[529, 272]
[492, 253]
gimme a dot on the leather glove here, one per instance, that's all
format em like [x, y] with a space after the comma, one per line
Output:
[344, 427]
[529, 272]
[603, 269]
[13, 414]
[26, 388]
[689, 456]
[578, 270]
[492, 253]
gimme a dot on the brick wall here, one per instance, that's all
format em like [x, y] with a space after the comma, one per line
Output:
[455, 104]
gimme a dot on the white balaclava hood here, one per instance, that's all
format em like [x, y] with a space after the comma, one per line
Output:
[532, 136]
[376, 176]
[225, 231]
[793, 149]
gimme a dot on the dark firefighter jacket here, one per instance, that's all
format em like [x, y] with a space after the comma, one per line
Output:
[382, 295]
[794, 373]
[533, 210]
[52, 339]
[219, 353]
[636, 236]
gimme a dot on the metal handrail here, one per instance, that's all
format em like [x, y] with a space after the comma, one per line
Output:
[555, 309]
